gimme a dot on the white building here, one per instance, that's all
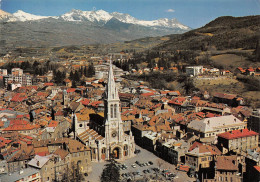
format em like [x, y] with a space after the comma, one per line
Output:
[194, 70]
[18, 76]
[209, 127]
[3, 72]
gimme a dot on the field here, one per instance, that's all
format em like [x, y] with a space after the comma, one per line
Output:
[232, 61]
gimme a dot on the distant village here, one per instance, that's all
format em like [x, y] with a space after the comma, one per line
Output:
[49, 131]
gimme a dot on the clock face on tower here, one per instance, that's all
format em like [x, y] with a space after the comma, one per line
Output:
[114, 134]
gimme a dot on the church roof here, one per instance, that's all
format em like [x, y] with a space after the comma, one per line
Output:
[89, 134]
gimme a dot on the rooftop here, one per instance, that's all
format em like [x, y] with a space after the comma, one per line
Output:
[227, 163]
[237, 134]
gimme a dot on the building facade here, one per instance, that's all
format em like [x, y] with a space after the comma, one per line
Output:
[238, 140]
[18, 76]
[194, 70]
[209, 127]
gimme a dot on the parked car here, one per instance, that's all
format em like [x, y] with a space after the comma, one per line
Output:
[156, 169]
[137, 151]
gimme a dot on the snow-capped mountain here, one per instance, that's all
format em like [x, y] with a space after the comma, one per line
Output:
[99, 16]
[103, 16]
[6, 16]
[93, 16]
[80, 27]
[23, 16]
[20, 16]
[163, 22]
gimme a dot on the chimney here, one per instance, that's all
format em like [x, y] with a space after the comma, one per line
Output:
[38, 163]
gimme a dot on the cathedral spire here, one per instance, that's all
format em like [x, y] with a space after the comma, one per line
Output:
[112, 93]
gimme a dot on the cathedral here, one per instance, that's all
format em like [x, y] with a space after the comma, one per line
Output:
[105, 135]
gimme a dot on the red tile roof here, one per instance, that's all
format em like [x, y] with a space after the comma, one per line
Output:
[71, 90]
[147, 94]
[58, 113]
[177, 101]
[85, 102]
[53, 123]
[194, 145]
[20, 127]
[257, 168]
[4, 141]
[226, 163]
[96, 103]
[250, 69]
[19, 97]
[237, 134]
[48, 84]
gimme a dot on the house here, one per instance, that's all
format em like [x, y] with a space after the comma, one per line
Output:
[19, 158]
[26, 175]
[177, 151]
[194, 70]
[229, 99]
[23, 127]
[55, 129]
[45, 166]
[252, 162]
[200, 157]
[228, 168]
[149, 141]
[250, 71]
[68, 82]
[238, 140]
[180, 104]
[254, 122]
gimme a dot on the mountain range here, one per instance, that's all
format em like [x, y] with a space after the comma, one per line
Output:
[99, 16]
[80, 27]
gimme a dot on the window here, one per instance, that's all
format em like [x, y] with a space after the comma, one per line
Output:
[115, 108]
[125, 150]
[203, 159]
[111, 110]
[103, 151]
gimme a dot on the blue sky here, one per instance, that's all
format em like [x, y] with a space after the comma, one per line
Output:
[193, 13]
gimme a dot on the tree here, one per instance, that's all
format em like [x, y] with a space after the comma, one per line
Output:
[91, 70]
[85, 71]
[110, 172]
[59, 76]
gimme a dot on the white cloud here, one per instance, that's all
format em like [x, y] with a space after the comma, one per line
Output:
[170, 10]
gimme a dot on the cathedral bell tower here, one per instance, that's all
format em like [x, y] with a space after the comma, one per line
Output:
[113, 123]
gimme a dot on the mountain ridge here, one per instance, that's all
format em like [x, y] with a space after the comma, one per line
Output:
[98, 16]
[224, 32]
[79, 28]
